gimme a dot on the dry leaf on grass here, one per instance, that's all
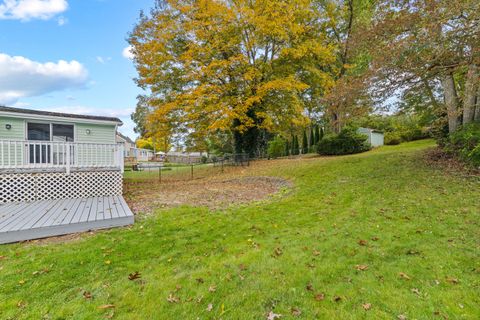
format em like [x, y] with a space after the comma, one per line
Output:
[134, 275]
[362, 242]
[337, 298]
[212, 288]
[172, 299]
[361, 267]
[415, 290]
[277, 252]
[452, 280]
[320, 296]
[210, 307]
[200, 280]
[107, 306]
[367, 306]
[272, 316]
[296, 312]
[309, 287]
[403, 275]
[87, 295]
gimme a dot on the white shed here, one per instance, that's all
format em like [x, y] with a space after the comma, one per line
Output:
[375, 137]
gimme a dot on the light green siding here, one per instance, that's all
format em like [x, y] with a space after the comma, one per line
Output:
[98, 133]
[12, 154]
[17, 132]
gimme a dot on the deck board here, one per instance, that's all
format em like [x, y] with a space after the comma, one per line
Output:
[46, 218]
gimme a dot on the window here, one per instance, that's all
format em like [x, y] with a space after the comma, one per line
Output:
[39, 131]
[62, 132]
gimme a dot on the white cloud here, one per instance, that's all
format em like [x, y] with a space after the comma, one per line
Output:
[103, 60]
[107, 112]
[62, 21]
[31, 9]
[21, 77]
[127, 53]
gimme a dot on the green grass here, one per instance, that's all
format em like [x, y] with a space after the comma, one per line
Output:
[426, 221]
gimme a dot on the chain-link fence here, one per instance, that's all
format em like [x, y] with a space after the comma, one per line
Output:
[164, 172]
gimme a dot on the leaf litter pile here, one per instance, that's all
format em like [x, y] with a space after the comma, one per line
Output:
[214, 193]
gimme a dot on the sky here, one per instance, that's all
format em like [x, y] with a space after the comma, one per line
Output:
[69, 56]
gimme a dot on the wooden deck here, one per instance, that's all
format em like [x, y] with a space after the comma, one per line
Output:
[46, 218]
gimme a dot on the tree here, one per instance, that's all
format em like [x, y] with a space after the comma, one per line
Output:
[317, 134]
[287, 148]
[304, 142]
[295, 146]
[276, 147]
[238, 66]
[312, 137]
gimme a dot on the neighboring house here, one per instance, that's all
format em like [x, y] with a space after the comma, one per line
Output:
[59, 173]
[143, 154]
[129, 145]
[375, 137]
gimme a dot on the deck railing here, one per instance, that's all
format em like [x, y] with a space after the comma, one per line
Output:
[59, 155]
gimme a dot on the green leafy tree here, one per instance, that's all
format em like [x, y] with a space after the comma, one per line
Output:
[287, 148]
[276, 147]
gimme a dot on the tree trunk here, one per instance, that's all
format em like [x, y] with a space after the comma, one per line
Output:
[470, 94]
[451, 101]
[477, 111]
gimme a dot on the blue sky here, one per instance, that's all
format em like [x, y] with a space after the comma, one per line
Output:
[69, 56]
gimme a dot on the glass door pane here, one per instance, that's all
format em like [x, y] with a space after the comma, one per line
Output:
[62, 133]
[38, 153]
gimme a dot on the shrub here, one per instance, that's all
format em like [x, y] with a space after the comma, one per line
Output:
[392, 139]
[347, 142]
[465, 142]
[276, 147]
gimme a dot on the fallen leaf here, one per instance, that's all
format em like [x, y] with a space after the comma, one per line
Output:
[178, 288]
[21, 281]
[135, 275]
[87, 295]
[309, 287]
[210, 307]
[107, 262]
[367, 306]
[242, 267]
[361, 267]
[172, 299]
[212, 288]
[296, 312]
[415, 290]
[21, 304]
[272, 316]
[402, 317]
[320, 296]
[337, 298]
[316, 252]
[413, 252]
[2, 257]
[452, 280]
[277, 252]
[200, 280]
[362, 242]
[404, 276]
[107, 306]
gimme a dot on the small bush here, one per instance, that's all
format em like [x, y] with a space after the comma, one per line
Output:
[347, 142]
[276, 147]
[392, 139]
[465, 142]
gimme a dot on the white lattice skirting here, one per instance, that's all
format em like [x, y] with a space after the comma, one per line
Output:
[19, 187]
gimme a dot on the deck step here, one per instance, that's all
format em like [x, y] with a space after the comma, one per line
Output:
[48, 218]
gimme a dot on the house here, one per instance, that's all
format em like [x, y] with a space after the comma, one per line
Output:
[59, 173]
[128, 145]
[131, 150]
[375, 137]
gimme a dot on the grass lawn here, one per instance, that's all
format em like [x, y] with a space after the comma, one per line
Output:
[379, 231]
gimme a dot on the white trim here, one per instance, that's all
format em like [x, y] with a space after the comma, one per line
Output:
[55, 118]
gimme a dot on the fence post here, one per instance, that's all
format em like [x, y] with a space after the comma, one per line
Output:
[191, 172]
[160, 174]
[67, 169]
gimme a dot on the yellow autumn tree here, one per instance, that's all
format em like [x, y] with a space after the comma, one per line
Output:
[242, 66]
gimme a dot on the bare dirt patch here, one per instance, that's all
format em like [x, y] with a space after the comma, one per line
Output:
[439, 159]
[144, 196]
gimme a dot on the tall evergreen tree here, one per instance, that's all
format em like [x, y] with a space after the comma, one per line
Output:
[312, 137]
[287, 148]
[295, 147]
[304, 142]
[322, 133]
[317, 134]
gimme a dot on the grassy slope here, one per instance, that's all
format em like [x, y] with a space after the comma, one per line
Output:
[387, 193]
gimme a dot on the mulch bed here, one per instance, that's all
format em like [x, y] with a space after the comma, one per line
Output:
[439, 159]
[145, 196]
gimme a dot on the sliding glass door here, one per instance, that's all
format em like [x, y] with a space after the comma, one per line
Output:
[49, 153]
